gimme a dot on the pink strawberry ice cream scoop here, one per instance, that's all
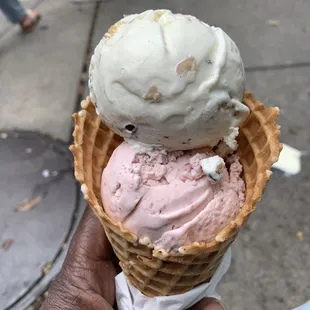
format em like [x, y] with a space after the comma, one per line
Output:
[166, 198]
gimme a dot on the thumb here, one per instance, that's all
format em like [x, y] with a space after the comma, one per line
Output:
[209, 304]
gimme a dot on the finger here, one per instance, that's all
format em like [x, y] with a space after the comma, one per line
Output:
[209, 304]
[99, 241]
[74, 300]
[90, 239]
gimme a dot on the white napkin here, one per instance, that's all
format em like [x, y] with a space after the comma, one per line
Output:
[129, 298]
[305, 306]
[289, 161]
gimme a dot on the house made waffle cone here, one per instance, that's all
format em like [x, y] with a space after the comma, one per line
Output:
[156, 272]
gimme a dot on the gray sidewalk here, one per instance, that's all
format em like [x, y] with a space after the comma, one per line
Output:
[39, 72]
[39, 78]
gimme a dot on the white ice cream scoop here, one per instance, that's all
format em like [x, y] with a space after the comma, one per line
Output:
[168, 81]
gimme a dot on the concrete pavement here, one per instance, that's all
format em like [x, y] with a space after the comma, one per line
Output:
[270, 268]
[245, 21]
[270, 263]
[39, 73]
[39, 78]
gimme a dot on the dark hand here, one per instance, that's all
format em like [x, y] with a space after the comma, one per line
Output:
[86, 280]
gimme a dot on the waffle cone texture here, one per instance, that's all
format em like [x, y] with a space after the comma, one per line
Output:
[156, 272]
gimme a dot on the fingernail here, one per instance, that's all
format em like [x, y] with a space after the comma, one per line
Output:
[214, 304]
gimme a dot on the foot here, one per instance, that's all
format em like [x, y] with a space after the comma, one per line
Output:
[30, 21]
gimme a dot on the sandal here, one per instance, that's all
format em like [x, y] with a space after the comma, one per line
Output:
[30, 21]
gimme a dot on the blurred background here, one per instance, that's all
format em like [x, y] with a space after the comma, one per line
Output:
[43, 78]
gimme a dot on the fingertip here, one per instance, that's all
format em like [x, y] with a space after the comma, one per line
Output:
[89, 220]
[89, 214]
[213, 306]
[209, 304]
[90, 238]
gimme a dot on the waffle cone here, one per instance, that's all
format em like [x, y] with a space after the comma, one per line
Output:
[155, 272]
